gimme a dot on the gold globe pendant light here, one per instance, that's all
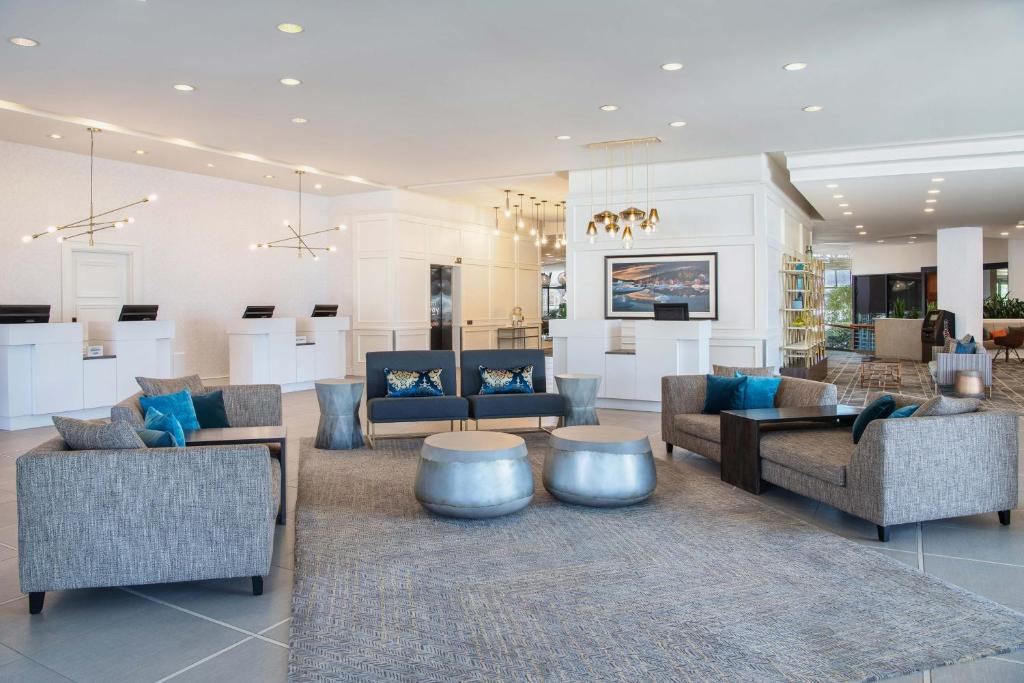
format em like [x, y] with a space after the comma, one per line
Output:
[632, 215]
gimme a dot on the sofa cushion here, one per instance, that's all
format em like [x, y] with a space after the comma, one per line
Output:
[210, 411]
[156, 386]
[879, 409]
[417, 408]
[820, 453]
[905, 411]
[80, 435]
[166, 423]
[516, 405]
[731, 370]
[506, 380]
[947, 405]
[723, 393]
[407, 383]
[757, 392]
[178, 404]
[702, 426]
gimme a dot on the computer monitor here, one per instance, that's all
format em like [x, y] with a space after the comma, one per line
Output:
[136, 312]
[671, 311]
[19, 314]
[258, 312]
[325, 311]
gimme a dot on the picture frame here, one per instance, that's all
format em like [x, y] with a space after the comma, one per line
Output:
[634, 283]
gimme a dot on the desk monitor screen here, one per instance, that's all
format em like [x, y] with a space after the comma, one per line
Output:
[258, 312]
[22, 314]
[135, 312]
[671, 311]
[325, 311]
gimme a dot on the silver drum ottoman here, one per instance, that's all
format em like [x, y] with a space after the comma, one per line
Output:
[600, 466]
[474, 475]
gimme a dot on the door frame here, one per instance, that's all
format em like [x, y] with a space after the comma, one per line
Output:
[67, 261]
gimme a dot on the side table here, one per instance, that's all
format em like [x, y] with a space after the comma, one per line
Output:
[339, 427]
[580, 392]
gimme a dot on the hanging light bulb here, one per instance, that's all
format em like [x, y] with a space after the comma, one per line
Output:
[654, 218]
[645, 225]
[592, 232]
[497, 230]
[627, 237]
[508, 209]
[605, 218]
[521, 223]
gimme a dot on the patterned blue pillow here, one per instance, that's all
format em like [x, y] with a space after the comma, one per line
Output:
[506, 381]
[157, 421]
[402, 383]
[178, 404]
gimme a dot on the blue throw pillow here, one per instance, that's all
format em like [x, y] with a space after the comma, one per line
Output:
[165, 423]
[154, 438]
[905, 411]
[402, 383]
[178, 404]
[757, 392]
[210, 410]
[506, 381]
[965, 347]
[881, 408]
[720, 393]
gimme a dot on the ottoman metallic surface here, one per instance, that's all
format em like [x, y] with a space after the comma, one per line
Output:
[339, 427]
[474, 475]
[580, 392]
[600, 466]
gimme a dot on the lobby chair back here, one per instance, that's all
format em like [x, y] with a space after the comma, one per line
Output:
[376, 361]
[501, 359]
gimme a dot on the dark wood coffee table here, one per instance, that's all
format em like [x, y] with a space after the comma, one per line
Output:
[229, 436]
[741, 437]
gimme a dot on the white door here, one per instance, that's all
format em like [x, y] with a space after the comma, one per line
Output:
[98, 284]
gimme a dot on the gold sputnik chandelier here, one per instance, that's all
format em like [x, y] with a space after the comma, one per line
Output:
[297, 240]
[95, 222]
[630, 217]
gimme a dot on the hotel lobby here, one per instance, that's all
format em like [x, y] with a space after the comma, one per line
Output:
[574, 341]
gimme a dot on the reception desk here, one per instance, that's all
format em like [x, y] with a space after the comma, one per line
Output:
[143, 349]
[631, 373]
[264, 351]
[328, 335]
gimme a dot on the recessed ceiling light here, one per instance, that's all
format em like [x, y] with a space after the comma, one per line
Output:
[938, 180]
[563, 137]
[671, 66]
[862, 232]
[289, 28]
[837, 196]
[268, 176]
[794, 66]
[290, 81]
[930, 201]
[140, 152]
[844, 205]
[318, 186]
[55, 136]
[832, 186]
[859, 227]
[210, 165]
[847, 213]
[1020, 227]
[299, 119]
[880, 241]
[1004, 234]
[184, 87]
[929, 210]
[677, 124]
[934, 191]
[24, 42]
[609, 107]
[811, 108]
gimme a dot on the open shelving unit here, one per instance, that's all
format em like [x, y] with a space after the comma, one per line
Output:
[803, 318]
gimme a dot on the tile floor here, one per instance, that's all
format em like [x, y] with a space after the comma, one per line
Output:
[217, 631]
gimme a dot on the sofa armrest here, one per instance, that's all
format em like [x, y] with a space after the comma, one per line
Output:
[138, 516]
[800, 393]
[921, 468]
[252, 405]
[680, 395]
[129, 410]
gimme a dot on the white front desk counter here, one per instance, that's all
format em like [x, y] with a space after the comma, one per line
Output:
[631, 377]
[143, 349]
[328, 335]
[264, 351]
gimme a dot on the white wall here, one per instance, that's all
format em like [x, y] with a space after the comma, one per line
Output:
[730, 206]
[880, 259]
[194, 240]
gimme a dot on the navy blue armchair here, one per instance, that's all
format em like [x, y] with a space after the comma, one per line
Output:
[496, 406]
[380, 408]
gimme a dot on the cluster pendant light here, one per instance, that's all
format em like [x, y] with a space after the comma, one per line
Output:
[521, 220]
[612, 222]
[95, 222]
[297, 240]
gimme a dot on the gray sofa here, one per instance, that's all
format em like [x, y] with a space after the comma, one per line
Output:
[904, 470]
[499, 406]
[246, 405]
[682, 399]
[89, 519]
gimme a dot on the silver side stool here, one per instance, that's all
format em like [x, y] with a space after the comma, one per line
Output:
[339, 427]
[580, 392]
[474, 475]
[600, 466]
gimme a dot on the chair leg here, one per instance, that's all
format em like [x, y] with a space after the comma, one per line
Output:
[883, 533]
[668, 447]
[35, 601]
[1004, 519]
[257, 585]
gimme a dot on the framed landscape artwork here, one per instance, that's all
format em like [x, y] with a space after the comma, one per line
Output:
[633, 284]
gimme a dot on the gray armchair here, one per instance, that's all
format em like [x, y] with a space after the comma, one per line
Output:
[97, 518]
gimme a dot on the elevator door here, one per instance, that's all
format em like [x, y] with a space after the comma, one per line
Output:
[441, 308]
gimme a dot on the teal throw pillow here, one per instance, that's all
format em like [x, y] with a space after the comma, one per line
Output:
[403, 383]
[965, 347]
[720, 393]
[154, 438]
[905, 411]
[210, 410]
[879, 409]
[165, 423]
[757, 392]
[506, 381]
[178, 404]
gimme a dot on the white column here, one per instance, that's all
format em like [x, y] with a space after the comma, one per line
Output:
[1015, 259]
[961, 261]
